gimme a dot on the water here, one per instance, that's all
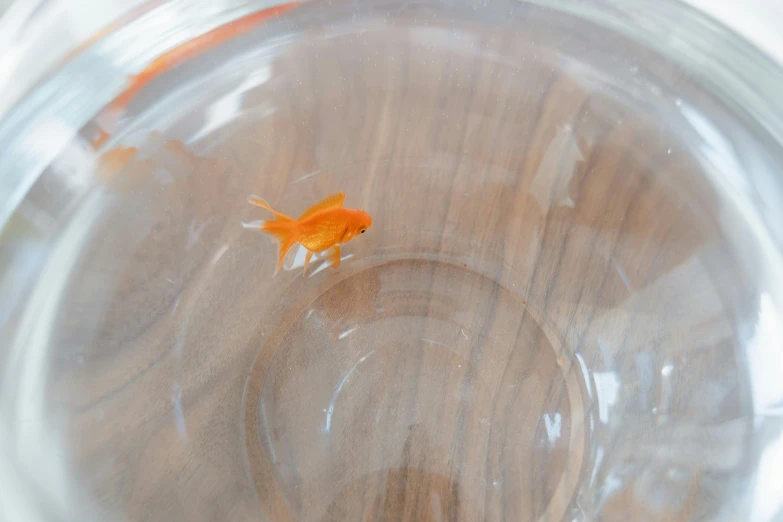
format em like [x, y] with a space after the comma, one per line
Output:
[565, 308]
[429, 363]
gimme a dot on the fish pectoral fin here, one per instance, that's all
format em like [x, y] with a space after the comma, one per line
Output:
[308, 257]
[291, 256]
[334, 256]
[336, 200]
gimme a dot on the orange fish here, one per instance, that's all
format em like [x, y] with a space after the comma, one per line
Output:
[326, 225]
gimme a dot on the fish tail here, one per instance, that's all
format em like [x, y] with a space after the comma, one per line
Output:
[286, 233]
[260, 202]
[283, 229]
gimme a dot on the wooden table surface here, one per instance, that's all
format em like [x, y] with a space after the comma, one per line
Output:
[539, 326]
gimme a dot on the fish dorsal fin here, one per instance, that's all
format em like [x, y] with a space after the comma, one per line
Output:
[334, 201]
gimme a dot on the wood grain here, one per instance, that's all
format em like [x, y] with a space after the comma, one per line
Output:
[532, 330]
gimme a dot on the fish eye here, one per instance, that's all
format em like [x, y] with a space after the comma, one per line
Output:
[362, 231]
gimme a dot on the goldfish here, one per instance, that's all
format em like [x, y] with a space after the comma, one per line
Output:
[327, 225]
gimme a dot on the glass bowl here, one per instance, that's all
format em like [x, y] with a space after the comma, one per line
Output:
[568, 307]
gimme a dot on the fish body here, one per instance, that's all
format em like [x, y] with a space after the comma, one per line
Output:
[327, 225]
[331, 227]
